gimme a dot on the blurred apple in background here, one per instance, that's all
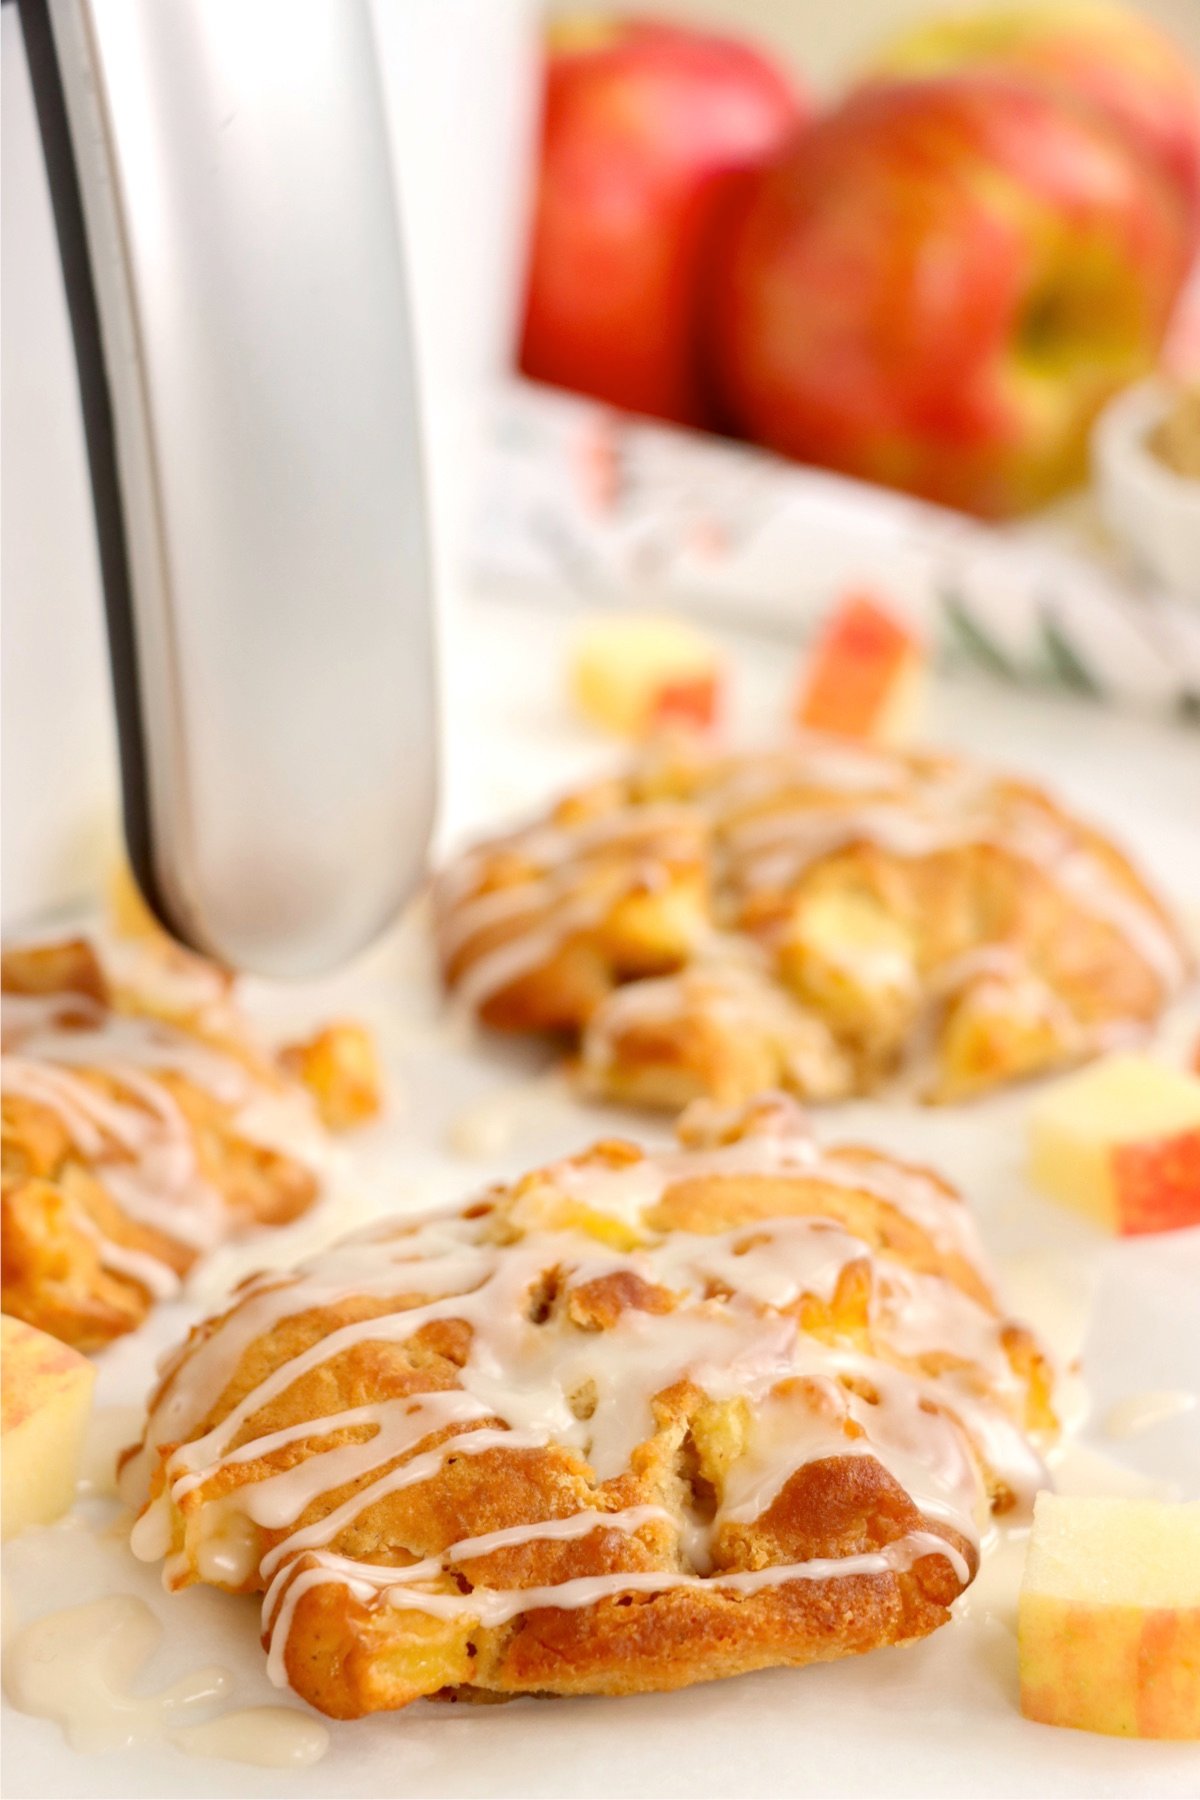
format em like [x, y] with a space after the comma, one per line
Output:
[939, 285]
[643, 124]
[1106, 55]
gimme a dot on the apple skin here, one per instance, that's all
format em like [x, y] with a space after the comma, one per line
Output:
[644, 127]
[1126, 1670]
[1108, 1621]
[938, 286]
[859, 680]
[1119, 63]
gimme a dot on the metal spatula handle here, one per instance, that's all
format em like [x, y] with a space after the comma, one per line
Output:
[252, 432]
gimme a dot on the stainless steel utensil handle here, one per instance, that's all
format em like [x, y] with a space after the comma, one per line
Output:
[272, 647]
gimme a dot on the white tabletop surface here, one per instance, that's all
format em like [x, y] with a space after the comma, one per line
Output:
[939, 1718]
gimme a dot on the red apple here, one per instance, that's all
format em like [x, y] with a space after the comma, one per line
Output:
[643, 126]
[940, 284]
[1105, 54]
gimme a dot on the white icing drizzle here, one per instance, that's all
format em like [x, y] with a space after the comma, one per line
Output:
[548, 906]
[736, 992]
[137, 1140]
[157, 1277]
[546, 845]
[146, 1152]
[759, 823]
[524, 952]
[936, 1414]
[812, 761]
[491, 1607]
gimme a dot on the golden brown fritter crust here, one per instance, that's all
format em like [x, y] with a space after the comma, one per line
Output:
[154, 1082]
[814, 919]
[689, 1385]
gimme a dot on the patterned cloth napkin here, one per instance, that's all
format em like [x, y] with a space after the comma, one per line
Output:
[601, 507]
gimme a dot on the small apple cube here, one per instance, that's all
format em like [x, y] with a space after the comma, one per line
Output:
[1120, 1141]
[45, 1394]
[340, 1068]
[1109, 1616]
[636, 675]
[863, 676]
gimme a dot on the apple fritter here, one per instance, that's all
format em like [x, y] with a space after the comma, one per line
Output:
[632, 1422]
[143, 1124]
[822, 918]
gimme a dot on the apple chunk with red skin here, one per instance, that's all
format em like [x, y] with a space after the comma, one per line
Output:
[643, 126]
[1120, 1141]
[861, 678]
[45, 1394]
[1121, 64]
[938, 286]
[638, 675]
[1109, 1617]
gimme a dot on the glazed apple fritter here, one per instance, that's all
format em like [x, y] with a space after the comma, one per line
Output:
[817, 919]
[143, 1124]
[632, 1422]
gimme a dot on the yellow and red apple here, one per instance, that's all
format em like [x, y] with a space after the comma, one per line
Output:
[1109, 1617]
[1120, 1141]
[638, 675]
[939, 285]
[45, 1396]
[862, 676]
[644, 124]
[1107, 55]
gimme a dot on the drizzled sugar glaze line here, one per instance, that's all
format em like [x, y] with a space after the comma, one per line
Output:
[931, 1428]
[438, 1253]
[437, 1256]
[159, 1280]
[629, 1519]
[758, 824]
[145, 1152]
[138, 1140]
[489, 1607]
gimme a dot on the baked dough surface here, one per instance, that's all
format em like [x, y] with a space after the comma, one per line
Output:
[142, 1124]
[818, 919]
[631, 1422]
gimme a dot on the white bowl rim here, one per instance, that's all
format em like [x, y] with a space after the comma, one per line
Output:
[1120, 442]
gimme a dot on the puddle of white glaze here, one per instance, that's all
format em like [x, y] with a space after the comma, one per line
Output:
[268, 1737]
[1141, 1412]
[78, 1666]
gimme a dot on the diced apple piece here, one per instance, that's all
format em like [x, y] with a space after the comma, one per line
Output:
[1109, 1618]
[45, 1393]
[863, 676]
[1120, 1141]
[637, 675]
[340, 1068]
